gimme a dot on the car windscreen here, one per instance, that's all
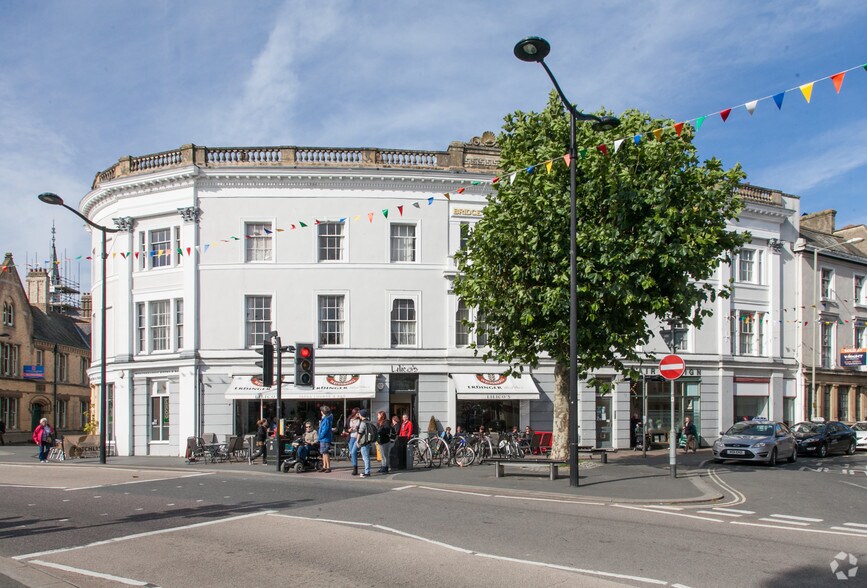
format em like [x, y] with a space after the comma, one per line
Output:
[755, 429]
[811, 428]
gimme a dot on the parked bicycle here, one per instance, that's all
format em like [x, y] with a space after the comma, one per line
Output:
[421, 451]
[510, 446]
[461, 453]
[482, 446]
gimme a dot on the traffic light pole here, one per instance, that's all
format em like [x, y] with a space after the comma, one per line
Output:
[277, 433]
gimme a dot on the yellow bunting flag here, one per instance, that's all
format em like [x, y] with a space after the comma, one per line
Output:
[658, 134]
[549, 164]
[807, 91]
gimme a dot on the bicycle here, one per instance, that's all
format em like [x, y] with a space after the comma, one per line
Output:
[482, 447]
[421, 452]
[439, 451]
[509, 447]
[461, 453]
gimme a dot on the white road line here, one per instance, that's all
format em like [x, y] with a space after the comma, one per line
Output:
[855, 525]
[118, 579]
[770, 520]
[663, 507]
[140, 535]
[792, 518]
[455, 491]
[856, 485]
[404, 487]
[551, 500]
[33, 487]
[666, 512]
[718, 514]
[735, 510]
[140, 481]
[354, 523]
[488, 555]
[737, 497]
[796, 529]
[849, 529]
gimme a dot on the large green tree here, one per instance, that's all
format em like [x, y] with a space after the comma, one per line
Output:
[651, 230]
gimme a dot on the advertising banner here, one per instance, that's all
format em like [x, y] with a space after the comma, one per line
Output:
[853, 357]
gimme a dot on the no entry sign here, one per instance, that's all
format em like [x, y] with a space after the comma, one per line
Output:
[671, 367]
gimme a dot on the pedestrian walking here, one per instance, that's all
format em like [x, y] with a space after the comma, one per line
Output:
[352, 429]
[364, 442]
[261, 448]
[690, 433]
[325, 438]
[2, 432]
[43, 436]
[384, 439]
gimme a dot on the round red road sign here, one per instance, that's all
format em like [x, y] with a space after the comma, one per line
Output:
[671, 367]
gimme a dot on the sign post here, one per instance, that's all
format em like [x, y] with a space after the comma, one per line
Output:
[671, 367]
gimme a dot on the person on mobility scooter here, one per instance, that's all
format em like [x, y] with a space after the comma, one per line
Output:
[306, 454]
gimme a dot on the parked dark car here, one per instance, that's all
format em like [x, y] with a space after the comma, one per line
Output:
[822, 438]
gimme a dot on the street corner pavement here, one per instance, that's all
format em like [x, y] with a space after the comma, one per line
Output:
[15, 574]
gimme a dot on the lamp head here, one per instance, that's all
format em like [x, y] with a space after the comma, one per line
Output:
[49, 198]
[532, 49]
[854, 240]
[606, 123]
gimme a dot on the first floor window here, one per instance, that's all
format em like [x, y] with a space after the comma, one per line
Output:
[463, 335]
[331, 320]
[749, 334]
[860, 290]
[83, 364]
[403, 322]
[827, 284]
[827, 344]
[681, 336]
[9, 412]
[83, 413]
[8, 359]
[159, 325]
[40, 357]
[330, 241]
[860, 335]
[63, 367]
[257, 238]
[160, 250]
[179, 323]
[257, 319]
[8, 313]
[746, 333]
[160, 411]
[62, 413]
[141, 328]
[402, 243]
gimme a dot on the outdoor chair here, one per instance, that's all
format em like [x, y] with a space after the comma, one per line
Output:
[195, 449]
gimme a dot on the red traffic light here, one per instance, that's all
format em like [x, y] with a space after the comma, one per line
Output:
[305, 352]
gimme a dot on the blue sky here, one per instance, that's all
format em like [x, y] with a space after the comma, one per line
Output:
[83, 83]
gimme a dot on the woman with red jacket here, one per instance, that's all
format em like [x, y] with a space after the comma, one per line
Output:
[43, 436]
[403, 436]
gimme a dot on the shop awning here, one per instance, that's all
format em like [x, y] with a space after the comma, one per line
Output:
[495, 387]
[327, 387]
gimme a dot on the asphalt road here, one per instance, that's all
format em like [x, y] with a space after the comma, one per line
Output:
[110, 526]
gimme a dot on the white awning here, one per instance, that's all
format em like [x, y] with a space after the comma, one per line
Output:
[495, 387]
[327, 387]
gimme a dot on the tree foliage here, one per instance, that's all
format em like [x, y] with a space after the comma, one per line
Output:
[651, 230]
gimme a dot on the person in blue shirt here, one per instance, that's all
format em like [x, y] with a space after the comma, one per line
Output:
[325, 438]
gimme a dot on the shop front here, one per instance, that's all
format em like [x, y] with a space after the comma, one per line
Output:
[340, 392]
[493, 400]
[655, 393]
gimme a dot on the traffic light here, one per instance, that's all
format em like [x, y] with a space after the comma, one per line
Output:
[305, 365]
[267, 364]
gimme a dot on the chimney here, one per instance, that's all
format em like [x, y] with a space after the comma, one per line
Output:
[821, 222]
[38, 289]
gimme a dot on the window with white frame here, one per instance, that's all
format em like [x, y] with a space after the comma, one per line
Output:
[9, 412]
[62, 414]
[403, 322]
[40, 357]
[160, 247]
[257, 319]
[159, 312]
[746, 333]
[8, 313]
[860, 294]
[9, 359]
[747, 266]
[62, 367]
[466, 231]
[749, 334]
[463, 336]
[160, 411]
[403, 242]
[827, 284]
[681, 336]
[83, 364]
[179, 323]
[176, 247]
[141, 327]
[331, 319]
[827, 345]
[331, 240]
[860, 334]
[258, 241]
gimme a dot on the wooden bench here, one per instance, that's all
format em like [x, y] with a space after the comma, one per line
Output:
[502, 462]
[589, 449]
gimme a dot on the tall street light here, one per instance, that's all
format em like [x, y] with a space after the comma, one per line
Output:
[56, 200]
[816, 326]
[535, 49]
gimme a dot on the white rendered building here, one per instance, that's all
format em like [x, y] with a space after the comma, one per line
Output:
[352, 249]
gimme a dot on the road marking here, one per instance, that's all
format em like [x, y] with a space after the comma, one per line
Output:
[551, 500]
[404, 487]
[785, 522]
[737, 497]
[139, 482]
[790, 517]
[856, 485]
[577, 570]
[31, 486]
[666, 512]
[455, 491]
[855, 525]
[849, 529]
[664, 507]
[719, 514]
[118, 579]
[735, 510]
[794, 529]
[140, 535]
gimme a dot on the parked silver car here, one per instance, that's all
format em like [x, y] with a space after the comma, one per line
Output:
[756, 440]
[861, 431]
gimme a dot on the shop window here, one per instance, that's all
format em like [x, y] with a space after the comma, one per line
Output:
[750, 407]
[331, 240]
[160, 412]
[258, 241]
[843, 403]
[789, 411]
[257, 319]
[826, 402]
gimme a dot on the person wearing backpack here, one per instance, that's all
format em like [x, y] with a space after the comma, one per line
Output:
[366, 436]
[43, 436]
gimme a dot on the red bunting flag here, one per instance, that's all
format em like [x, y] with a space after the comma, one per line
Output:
[400, 210]
[678, 128]
[316, 222]
[495, 180]
[136, 254]
[188, 250]
[725, 114]
[370, 216]
[568, 159]
[838, 80]
[461, 190]
[602, 148]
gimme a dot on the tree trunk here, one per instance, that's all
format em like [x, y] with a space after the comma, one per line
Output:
[560, 426]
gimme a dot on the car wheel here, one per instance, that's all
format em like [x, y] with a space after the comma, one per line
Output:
[851, 449]
[823, 450]
[794, 456]
[772, 460]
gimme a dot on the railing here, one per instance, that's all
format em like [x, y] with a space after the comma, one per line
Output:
[409, 158]
[327, 155]
[155, 161]
[235, 155]
[761, 195]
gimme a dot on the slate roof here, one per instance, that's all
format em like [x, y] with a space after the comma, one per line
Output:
[821, 240]
[58, 328]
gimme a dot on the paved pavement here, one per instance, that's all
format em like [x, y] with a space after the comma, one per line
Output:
[627, 477]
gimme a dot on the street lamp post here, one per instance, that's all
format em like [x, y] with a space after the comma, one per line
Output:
[816, 296]
[56, 200]
[535, 49]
